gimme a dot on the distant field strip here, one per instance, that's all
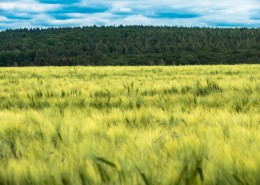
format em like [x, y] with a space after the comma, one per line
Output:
[130, 125]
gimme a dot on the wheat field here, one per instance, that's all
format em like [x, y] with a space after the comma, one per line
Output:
[130, 125]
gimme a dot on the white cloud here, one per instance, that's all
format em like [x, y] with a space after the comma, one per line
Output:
[27, 6]
[2, 18]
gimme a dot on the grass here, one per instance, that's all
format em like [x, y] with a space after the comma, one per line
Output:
[130, 125]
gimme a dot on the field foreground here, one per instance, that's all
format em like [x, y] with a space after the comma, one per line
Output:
[130, 125]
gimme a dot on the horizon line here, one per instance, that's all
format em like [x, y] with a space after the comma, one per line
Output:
[125, 26]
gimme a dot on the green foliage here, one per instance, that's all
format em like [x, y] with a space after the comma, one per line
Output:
[129, 45]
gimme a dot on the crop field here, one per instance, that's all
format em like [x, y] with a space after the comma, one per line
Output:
[130, 125]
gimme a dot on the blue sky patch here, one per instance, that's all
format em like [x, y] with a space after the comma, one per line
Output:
[233, 25]
[78, 9]
[174, 15]
[58, 1]
[16, 17]
[60, 16]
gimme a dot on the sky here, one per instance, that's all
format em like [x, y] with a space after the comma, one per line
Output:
[72, 13]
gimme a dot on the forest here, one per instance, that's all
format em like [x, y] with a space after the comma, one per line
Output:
[129, 46]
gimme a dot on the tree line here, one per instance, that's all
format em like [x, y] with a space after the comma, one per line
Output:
[129, 45]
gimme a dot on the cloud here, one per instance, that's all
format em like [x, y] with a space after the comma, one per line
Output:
[46, 13]
[2, 19]
[26, 6]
